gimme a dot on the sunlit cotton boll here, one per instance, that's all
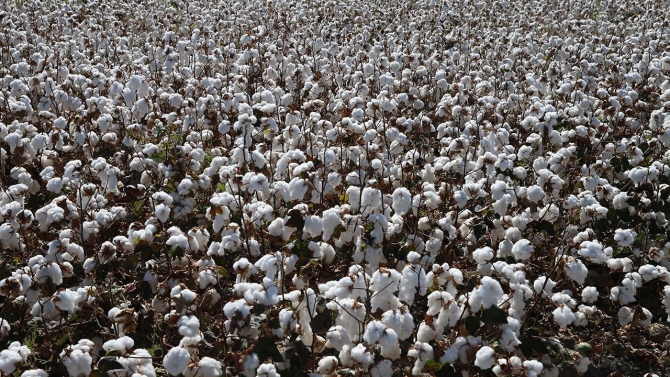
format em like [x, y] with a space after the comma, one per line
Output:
[176, 360]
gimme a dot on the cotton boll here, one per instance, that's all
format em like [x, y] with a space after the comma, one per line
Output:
[413, 277]
[327, 365]
[362, 356]
[176, 360]
[124, 344]
[4, 328]
[563, 316]
[488, 294]
[589, 294]
[383, 368]
[522, 250]
[374, 332]
[542, 282]
[535, 193]
[593, 251]
[422, 352]
[337, 337]
[575, 270]
[34, 373]
[188, 325]
[648, 272]
[9, 361]
[401, 321]
[485, 358]
[162, 212]
[77, 359]
[266, 370]
[401, 200]
[583, 365]
[533, 368]
[625, 237]
[208, 367]
[483, 255]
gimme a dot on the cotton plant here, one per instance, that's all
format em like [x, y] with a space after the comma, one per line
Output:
[435, 180]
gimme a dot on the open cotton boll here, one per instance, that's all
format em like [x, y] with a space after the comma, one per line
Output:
[589, 294]
[374, 332]
[623, 264]
[267, 370]
[625, 237]
[486, 295]
[124, 344]
[483, 255]
[401, 200]
[485, 358]
[563, 316]
[384, 284]
[208, 367]
[188, 325]
[542, 282]
[313, 226]
[327, 365]
[535, 193]
[34, 373]
[422, 352]
[533, 368]
[593, 252]
[337, 337]
[77, 359]
[371, 200]
[575, 269]
[362, 356]
[625, 316]
[176, 361]
[413, 277]
[9, 361]
[331, 219]
[162, 212]
[522, 249]
[4, 328]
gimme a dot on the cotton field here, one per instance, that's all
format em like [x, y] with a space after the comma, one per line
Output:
[334, 188]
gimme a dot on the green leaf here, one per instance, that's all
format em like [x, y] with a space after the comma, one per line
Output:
[472, 324]
[108, 363]
[547, 227]
[137, 206]
[267, 348]
[446, 371]
[530, 344]
[113, 353]
[494, 315]
[432, 366]
[63, 339]
[176, 252]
